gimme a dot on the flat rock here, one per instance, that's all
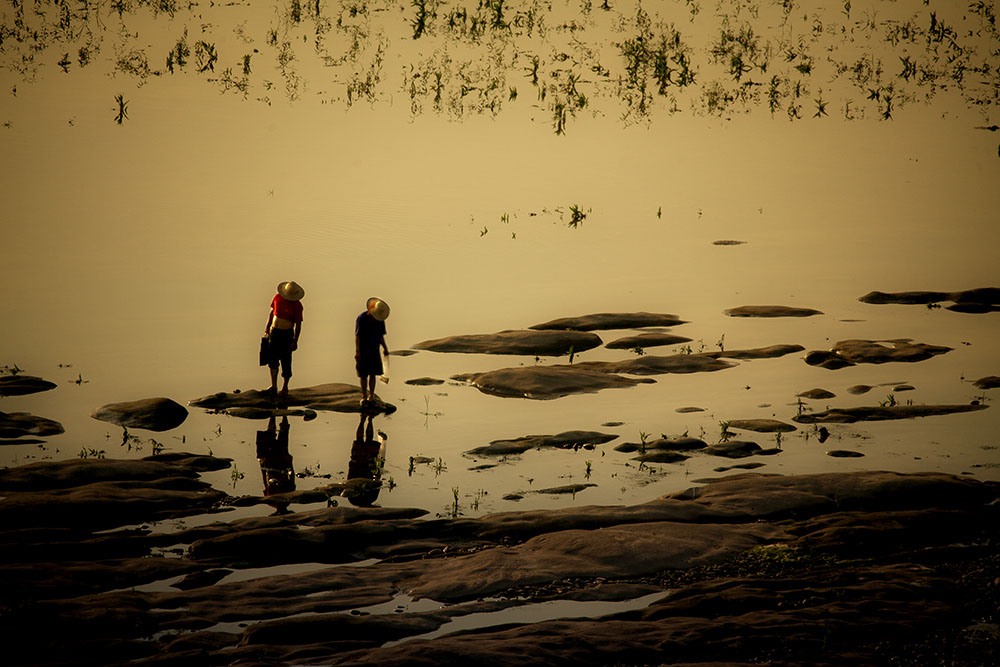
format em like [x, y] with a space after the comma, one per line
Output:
[54, 475]
[817, 394]
[988, 382]
[985, 296]
[153, 414]
[685, 444]
[661, 457]
[565, 440]
[425, 382]
[20, 385]
[545, 382]
[768, 352]
[762, 425]
[771, 311]
[19, 424]
[733, 449]
[882, 413]
[688, 409]
[659, 365]
[844, 454]
[851, 352]
[565, 490]
[858, 389]
[612, 321]
[645, 340]
[525, 342]
[334, 396]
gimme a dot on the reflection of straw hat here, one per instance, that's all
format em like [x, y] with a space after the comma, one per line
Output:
[378, 308]
[291, 291]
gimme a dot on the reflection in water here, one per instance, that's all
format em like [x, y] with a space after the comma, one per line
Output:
[364, 471]
[275, 461]
[863, 59]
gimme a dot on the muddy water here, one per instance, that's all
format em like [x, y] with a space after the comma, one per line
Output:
[140, 260]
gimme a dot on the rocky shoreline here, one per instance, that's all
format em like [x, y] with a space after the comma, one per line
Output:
[838, 568]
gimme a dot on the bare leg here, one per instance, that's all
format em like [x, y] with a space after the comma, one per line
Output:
[274, 378]
[364, 389]
[371, 387]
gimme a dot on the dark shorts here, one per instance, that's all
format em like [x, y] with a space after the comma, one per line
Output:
[279, 348]
[369, 364]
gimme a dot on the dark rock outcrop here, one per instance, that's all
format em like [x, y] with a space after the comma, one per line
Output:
[612, 321]
[644, 340]
[153, 414]
[545, 382]
[535, 343]
[20, 424]
[565, 440]
[334, 396]
[851, 352]
[882, 413]
[20, 385]
[771, 311]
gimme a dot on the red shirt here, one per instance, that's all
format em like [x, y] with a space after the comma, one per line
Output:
[287, 310]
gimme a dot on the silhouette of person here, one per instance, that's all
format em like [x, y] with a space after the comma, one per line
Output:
[369, 341]
[284, 324]
[274, 459]
[364, 470]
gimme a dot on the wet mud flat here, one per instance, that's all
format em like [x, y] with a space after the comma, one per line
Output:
[835, 568]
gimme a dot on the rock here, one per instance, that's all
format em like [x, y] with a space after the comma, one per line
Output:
[566, 490]
[988, 382]
[852, 415]
[771, 311]
[844, 454]
[201, 579]
[688, 409]
[661, 457]
[762, 425]
[733, 449]
[337, 397]
[514, 496]
[645, 340]
[153, 414]
[545, 382]
[664, 444]
[531, 342]
[654, 365]
[612, 321]
[196, 462]
[728, 242]
[19, 424]
[818, 394]
[565, 440]
[424, 382]
[769, 352]
[985, 296]
[904, 387]
[850, 352]
[859, 389]
[739, 466]
[20, 385]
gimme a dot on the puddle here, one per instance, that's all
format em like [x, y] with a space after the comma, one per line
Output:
[536, 613]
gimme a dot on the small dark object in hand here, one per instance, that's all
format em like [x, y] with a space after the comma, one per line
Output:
[263, 351]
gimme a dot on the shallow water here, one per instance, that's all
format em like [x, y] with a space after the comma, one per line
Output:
[140, 260]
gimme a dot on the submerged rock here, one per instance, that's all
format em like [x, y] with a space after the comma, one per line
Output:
[334, 396]
[656, 365]
[425, 382]
[19, 424]
[771, 311]
[983, 299]
[565, 490]
[762, 425]
[545, 382]
[882, 413]
[859, 389]
[818, 394]
[734, 449]
[851, 352]
[684, 444]
[565, 440]
[20, 385]
[153, 414]
[844, 454]
[525, 342]
[612, 321]
[644, 340]
[988, 382]
[769, 352]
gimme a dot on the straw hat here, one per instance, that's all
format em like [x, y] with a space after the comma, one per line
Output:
[378, 308]
[291, 291]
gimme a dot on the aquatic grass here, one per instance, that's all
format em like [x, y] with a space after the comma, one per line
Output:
[122, 115]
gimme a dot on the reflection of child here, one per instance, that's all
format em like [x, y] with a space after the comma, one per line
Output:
[364, 471]
[275, 461]
[369, 341]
